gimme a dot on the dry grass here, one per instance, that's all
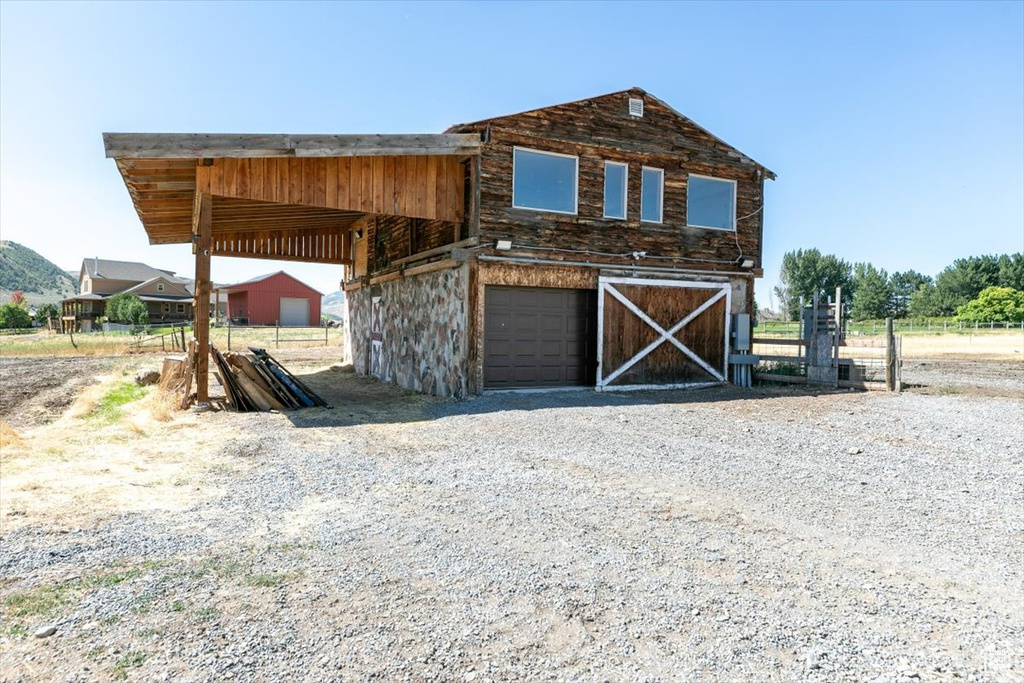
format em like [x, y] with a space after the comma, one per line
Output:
[118, 448]
[986, 346]
[45, 343]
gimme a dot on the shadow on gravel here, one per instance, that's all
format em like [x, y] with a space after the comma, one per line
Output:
[360, 400]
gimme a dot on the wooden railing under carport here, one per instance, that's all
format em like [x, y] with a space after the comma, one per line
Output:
[282, 197]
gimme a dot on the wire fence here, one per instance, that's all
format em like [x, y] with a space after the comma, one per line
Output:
[792, 329]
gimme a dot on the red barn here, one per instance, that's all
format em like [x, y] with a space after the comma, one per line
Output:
[274, 299]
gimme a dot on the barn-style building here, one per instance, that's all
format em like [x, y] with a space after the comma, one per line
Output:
[608, 242]
[273, 299]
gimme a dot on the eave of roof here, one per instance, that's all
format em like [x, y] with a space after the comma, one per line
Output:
[211, 146]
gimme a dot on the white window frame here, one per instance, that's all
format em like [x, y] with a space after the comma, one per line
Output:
[661, 195]
[732, 212]
[159, 286]
[180, 308]
[625, 190]
[576, 181]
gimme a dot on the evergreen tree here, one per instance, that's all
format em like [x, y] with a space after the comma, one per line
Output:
[805, 273]
[872, 294]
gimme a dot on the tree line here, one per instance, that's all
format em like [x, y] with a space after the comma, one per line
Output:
[986, 288]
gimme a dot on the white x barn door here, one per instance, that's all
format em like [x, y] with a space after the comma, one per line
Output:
[691, 301]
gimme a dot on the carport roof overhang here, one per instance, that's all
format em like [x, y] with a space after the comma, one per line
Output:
[287, 197]
[282, 197]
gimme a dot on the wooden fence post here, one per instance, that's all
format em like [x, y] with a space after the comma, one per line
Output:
[890, 356]
[277, 334]
[229, 334]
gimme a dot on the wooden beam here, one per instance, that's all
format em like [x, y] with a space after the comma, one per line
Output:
[444, 249]
[207, 146]
[203, 221]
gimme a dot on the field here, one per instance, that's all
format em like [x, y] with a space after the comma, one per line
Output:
[47, 344]
[721, 534]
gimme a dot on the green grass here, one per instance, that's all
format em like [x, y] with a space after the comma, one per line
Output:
[267, 580]
[129, 660]
[44, 600]
[206, 613]
[109, 408]
[17, 631]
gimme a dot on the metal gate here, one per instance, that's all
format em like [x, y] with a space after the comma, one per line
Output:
[662, 334]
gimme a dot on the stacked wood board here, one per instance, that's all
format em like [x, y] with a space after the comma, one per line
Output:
[256, 382]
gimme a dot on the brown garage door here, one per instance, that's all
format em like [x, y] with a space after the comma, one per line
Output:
[536, 337]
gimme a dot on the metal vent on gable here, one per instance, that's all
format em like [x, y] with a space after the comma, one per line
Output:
[636, 107]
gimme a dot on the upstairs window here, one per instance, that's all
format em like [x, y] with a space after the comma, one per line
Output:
[651, 193]
[159, 287]
[711, 203]
[615, 179]
[544, 181]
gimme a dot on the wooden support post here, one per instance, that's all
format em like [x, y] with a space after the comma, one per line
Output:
[890, 356]
[202, 220]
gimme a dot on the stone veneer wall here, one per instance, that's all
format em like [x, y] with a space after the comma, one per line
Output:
[424, 339]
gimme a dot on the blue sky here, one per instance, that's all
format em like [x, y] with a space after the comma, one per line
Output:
[897, 130]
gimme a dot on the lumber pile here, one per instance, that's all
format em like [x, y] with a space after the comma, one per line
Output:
[256, 382]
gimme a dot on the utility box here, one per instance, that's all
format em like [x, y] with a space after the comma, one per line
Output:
[741, 332]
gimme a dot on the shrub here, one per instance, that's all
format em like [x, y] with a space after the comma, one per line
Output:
[994, 304]
[47, 312]
[13, 316]
[128, 309]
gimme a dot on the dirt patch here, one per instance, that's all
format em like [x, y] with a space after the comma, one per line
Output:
[37, 390]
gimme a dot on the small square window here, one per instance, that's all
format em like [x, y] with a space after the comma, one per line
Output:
[651, 194]
[710, 203]
[615, 181]
[159, 286]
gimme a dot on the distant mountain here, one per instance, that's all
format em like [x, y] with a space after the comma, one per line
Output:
[334, 298]
[333, 305]
[40, 280]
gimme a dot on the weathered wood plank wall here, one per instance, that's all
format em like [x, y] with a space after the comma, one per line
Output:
[600, 130]
[626, 334]
[428, 187]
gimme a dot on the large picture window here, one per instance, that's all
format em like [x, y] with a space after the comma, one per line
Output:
[651, 192]
[544, 181]
[711, 203]
[615, 179]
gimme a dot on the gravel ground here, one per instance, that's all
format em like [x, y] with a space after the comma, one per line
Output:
[774, 534]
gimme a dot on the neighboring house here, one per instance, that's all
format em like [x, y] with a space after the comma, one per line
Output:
[273, 299]
[609, 242]
[167, 298]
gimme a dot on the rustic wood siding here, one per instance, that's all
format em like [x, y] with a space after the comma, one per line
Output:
[625, 334]
[423, 186]
[600, 130]
[389, 238]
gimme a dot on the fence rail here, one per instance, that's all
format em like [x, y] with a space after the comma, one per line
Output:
[281, 335]
[776, 328]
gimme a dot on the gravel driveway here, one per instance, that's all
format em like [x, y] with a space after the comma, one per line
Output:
[725, 535]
